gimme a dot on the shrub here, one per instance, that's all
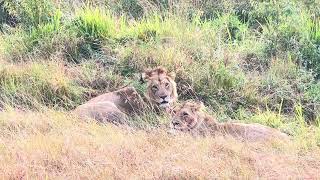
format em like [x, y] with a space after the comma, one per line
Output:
[56, 36]
[138, 9]
[44, 34]
[230, 28]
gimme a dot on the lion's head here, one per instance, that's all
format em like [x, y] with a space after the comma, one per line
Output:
[161, 87]
[189, 116]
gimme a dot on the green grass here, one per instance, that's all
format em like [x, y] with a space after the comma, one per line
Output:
[248, 61]
[33, 84]
[31, 13]
[259, 61]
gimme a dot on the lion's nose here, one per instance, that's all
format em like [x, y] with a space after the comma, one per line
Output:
[163, 97]
[175, 123]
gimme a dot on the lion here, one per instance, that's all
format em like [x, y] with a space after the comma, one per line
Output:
[190, 117]
[116, 106]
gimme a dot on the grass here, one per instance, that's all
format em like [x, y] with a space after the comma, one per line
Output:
[55, 145]
[248, 61]
[34, 83]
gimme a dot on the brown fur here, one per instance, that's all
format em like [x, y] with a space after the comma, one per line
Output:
[116, 106]
[157, 80]
[189, 117]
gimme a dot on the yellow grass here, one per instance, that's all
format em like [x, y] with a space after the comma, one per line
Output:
[55, 145]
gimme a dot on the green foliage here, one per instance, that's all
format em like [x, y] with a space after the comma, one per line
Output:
[94, 76]
[286, 85]
[311, 51]
[31, 13]
[259, 58]
[293, 33]
[4, 16]
[95, 28]
[231, 28]
[14, 45]
[95, 24]
[37, 84]
[43, 39]
[131, 7]
[268, 118]
[44, 33]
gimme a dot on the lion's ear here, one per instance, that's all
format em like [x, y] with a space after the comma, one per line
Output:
[172, 75]
[198, 106]
[210, 120]
[144, 76]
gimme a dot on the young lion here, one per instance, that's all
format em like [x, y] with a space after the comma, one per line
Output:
[189, 117]
[118, 105]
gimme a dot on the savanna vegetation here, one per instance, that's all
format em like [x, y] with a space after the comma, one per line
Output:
[248, 61]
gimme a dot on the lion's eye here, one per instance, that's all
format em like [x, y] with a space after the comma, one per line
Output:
[167, 85]
[185, 114]
[154, 88]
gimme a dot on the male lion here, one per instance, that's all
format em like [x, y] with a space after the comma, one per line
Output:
[116, 106]
[190, 117]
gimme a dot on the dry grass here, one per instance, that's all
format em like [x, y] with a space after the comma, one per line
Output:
[55, 145]
[236, 56]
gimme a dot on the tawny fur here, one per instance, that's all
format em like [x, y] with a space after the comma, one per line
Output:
[118, 105]
[189, 117]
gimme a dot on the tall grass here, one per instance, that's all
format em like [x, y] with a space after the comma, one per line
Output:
[31, 85]
[249, 61]
[31, 13]
[226, 51]
[56, 145]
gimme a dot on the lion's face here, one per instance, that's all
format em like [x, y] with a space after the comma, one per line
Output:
[161, 87]
[187, 116]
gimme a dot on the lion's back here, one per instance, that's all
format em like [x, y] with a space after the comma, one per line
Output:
[101, 111]
[255, 132]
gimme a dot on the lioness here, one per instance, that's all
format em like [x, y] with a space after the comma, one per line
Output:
[116, 106]
[190, 117]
